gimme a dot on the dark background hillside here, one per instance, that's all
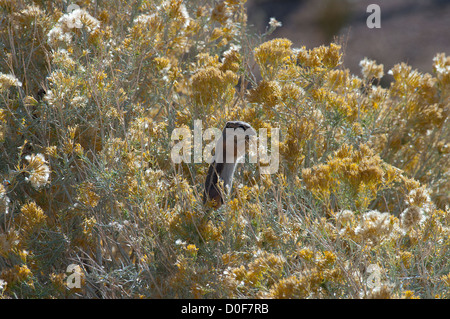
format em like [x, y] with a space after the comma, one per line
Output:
[412, 31]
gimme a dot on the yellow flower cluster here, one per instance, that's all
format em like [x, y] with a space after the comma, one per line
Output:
[353, 176]
[8, 241]
[265, 269]
[441, 67]
[87, 195]
[16, 275]
[272, 55]
[267, 93]
[308, 283]
[212, 85]
[322, 57]
[32, 218]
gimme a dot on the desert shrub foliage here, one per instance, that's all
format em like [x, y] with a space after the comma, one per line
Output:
[88, 101]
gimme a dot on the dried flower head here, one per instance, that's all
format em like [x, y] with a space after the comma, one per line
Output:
[76, 19]
[375, 227]
[221, 13]
[441, 66]
[30, 14]
[231, 60]
[8, 241]
[345, 216]
[274, 23]
[411, 217]
[38, 170]
[419, 197]
[176, 11]
[370, 69]
[7, 81]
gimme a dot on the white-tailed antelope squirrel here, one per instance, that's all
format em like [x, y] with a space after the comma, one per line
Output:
[230, 148]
